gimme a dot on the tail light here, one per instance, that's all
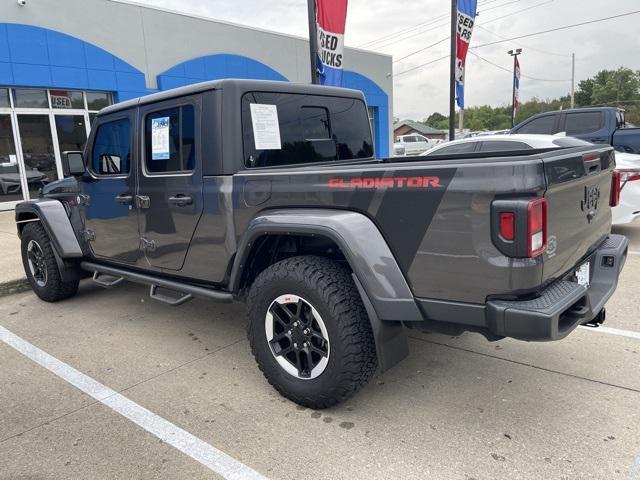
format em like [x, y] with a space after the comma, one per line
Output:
[616, 187]
[536, 227]
[519, 226]
[508, 226]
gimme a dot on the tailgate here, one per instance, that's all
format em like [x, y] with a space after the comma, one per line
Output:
[579, 214]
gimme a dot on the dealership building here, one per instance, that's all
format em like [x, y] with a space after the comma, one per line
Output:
[62, 61]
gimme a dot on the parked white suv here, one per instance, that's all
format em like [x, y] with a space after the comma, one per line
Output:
[413, 144]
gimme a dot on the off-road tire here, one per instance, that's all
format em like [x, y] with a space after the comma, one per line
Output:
[54, 289]
[328, 286]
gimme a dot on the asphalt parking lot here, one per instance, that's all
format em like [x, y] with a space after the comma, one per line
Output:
[457, 408]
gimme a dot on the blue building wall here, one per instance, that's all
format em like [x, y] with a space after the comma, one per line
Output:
[38, 57]
[214, 67]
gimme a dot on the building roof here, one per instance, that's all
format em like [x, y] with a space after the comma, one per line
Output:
[160, 8]
[418, 127]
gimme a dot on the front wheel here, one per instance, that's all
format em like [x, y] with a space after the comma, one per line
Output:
[309, 331]
[41, 267]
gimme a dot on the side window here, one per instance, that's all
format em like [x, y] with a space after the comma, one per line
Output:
[541, 125]
[170, 140]
[583, 122]
[502, 146]
[111, 151]
[408, 140]
[295, 129]
[466, 147]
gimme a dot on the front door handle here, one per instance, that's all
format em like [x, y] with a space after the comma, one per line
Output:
[124, 199]
[181, 200]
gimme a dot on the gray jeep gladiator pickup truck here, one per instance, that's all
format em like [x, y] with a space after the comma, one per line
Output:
[270, 193]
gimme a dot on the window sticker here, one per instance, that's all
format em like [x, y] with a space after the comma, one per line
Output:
[160, 138]
[266, 130]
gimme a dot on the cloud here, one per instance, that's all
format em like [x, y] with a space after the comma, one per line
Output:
[609, 44]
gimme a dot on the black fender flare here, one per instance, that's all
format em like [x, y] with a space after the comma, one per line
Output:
[382, 285]
[54, 219]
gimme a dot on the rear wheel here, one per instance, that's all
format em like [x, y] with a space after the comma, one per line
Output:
[41, 267]
[309, 331]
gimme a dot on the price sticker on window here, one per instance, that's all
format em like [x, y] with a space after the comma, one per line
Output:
[160, 138]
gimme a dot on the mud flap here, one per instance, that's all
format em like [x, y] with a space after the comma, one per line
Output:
[391, 340]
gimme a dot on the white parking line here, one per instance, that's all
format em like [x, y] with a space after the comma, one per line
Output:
[613, 331]
[209, 456]
[634, 253]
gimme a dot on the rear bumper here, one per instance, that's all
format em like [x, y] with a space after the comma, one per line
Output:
[563, 305]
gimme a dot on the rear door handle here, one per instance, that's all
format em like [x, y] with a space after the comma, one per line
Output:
[181, 200]
[124, 199]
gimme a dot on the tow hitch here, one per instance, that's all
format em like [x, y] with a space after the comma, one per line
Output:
[597, 320]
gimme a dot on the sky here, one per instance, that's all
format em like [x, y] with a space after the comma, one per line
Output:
[422, 91]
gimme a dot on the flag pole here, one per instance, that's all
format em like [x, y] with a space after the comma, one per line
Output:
[514, 54]
[313, 40]
[452, 71]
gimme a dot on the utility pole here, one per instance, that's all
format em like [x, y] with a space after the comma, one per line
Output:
[514, 54]
[573, 80]
[313, 40]
[452, 71]
[461, 125]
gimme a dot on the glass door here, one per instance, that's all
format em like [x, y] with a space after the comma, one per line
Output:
[11, 187]
[37, 150]
[71, 132]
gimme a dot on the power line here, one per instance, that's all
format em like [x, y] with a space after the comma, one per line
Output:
[519, 11]
[521, 74]
[432, 21]
[525, 46]
[420, 66]
[422, 49]
[440, 41]
[557, 29]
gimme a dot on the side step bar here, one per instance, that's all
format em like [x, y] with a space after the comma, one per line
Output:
[155, 283]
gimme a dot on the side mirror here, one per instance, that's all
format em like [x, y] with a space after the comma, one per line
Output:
[72, 164]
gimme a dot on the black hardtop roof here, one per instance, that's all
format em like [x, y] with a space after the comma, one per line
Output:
[238, 87]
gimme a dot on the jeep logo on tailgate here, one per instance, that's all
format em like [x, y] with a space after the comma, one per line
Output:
[589, 203]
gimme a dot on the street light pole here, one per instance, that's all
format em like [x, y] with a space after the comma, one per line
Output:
[514, 54]
[452, 71]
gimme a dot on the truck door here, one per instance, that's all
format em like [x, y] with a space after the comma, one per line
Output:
[169, 193]
[108, 188]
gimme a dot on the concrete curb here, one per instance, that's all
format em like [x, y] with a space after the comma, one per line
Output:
[14, 286]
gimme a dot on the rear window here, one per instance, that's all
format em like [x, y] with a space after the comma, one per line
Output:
[542, 125]
[583, 122]
[297, 129]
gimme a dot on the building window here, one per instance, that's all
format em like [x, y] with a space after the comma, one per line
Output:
[4, 98]
[30, 98]
[98, 100]
[66, 99]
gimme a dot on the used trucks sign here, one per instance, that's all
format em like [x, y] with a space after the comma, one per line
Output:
[331, 16]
